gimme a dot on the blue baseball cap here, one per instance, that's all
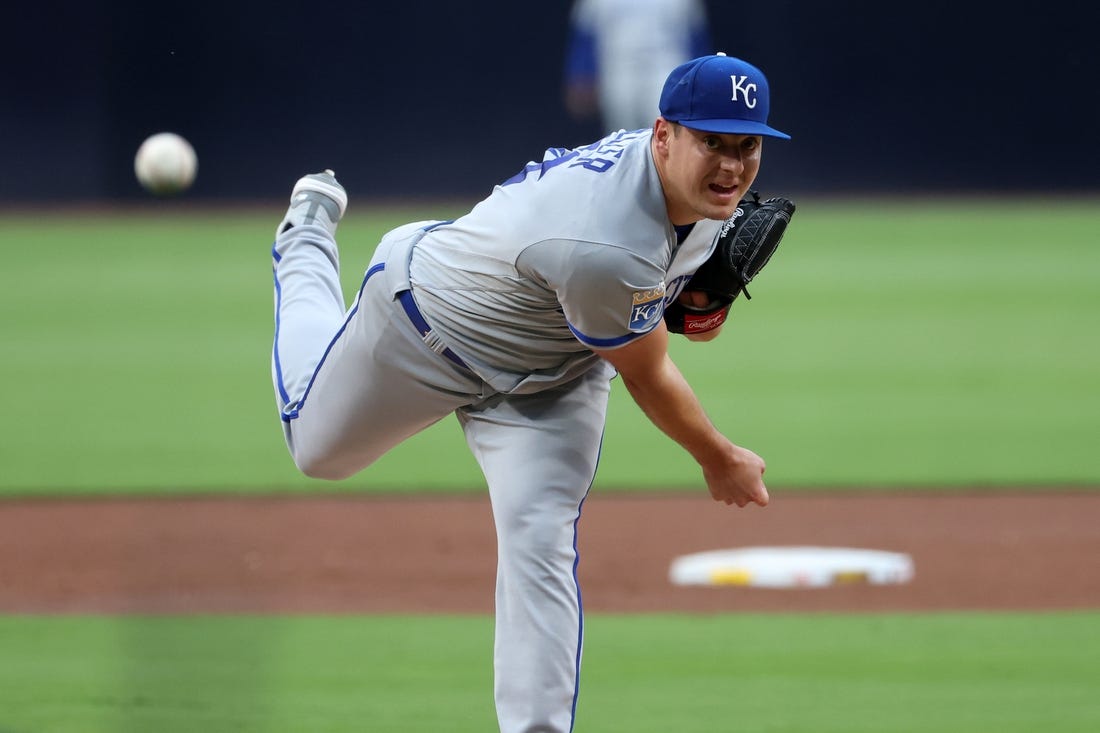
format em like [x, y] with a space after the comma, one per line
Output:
[719, 93]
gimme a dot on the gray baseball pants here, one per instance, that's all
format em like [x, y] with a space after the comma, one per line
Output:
[351, 383]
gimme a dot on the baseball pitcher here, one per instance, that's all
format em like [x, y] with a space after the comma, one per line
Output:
[515, 318]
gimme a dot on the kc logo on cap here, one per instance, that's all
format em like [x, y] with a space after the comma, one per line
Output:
[741, 85]
[719, 93]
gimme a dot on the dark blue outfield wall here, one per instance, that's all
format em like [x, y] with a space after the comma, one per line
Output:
[438, 98]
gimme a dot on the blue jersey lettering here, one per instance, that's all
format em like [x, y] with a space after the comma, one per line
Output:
[598, 157]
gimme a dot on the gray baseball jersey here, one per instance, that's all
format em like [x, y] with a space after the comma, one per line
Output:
[492, 318]
[574, 252]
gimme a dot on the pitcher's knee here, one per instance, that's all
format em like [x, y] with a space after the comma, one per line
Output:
[322, 466]
[539, 544]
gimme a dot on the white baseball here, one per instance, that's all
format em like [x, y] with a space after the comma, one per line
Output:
[166, 164]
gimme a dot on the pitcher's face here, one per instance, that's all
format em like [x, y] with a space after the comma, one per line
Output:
[704, 174]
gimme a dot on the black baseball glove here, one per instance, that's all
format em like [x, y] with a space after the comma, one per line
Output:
[746, 242]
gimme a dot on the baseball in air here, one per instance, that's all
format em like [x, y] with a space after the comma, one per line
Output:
[166, 164]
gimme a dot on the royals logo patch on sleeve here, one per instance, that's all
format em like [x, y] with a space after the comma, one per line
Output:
[646, 309]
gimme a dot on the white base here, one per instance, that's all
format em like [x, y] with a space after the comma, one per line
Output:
[791, 567]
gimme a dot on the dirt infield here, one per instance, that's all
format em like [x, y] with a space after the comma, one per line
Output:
[364, 554]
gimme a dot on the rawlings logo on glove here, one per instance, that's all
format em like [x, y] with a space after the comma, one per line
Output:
[746, 242]
[698, 322]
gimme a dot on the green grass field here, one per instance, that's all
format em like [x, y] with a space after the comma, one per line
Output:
[896, 343]
[943, 673]
[887, 344]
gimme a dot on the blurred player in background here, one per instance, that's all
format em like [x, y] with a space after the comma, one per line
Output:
[620, 51]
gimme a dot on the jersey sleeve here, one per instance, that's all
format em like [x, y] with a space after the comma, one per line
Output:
[608, 294]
